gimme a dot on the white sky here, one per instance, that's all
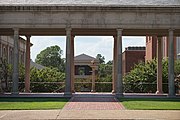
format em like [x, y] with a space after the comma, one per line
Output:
[90, 45]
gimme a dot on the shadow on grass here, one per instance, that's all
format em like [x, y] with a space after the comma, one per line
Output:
[34, 100]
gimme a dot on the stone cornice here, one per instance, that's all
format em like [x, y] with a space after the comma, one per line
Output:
[167, 9]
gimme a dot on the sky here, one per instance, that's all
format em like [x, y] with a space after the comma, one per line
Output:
[90, 45]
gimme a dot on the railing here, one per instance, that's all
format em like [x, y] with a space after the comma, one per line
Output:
[57, 87]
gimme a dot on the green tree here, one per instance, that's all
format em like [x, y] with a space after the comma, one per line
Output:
[51, 57]
[110, 62]
[100, 58]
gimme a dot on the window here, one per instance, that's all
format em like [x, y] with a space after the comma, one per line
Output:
[81, 70]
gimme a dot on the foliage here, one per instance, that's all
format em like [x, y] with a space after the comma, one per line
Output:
[110, 62]
[48, 79]
[51, 57]
[104, 70]
[100, 58]
[147, 73]
[44, 80]
[3, 75]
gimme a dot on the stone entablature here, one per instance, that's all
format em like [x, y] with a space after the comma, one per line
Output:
[136, 3]
[83, 19]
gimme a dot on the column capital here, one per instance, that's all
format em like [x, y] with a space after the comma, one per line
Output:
[68, 29]
[115, 37]
[119, 32]
[171, 29]
[119, 29]
[73, 36]
[28, 36]
[16, 29]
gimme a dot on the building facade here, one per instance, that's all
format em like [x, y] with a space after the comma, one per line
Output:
[132, 56]
[151, 47]
[7, 46]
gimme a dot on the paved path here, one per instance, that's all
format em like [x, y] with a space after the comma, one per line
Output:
[90, 114]
[93, 103]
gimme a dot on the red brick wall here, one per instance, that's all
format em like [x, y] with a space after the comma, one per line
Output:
[130, 58]
[151, 47]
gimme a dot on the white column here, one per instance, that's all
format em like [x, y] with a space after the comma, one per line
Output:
[159, 65]
[68, 89]
[119, 83]
[114, 66]
[27, 64]
[15, 76]
[171, 84]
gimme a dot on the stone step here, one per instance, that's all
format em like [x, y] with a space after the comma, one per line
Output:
[93, 95]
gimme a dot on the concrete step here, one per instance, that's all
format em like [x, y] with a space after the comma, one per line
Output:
[93, 95]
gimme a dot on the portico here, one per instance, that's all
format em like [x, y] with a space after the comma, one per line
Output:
[112, 20]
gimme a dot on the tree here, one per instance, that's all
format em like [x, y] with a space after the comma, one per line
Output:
[110, 62]
[51, 57]
[100, 58]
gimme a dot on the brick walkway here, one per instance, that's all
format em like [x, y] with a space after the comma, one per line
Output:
[93, 103]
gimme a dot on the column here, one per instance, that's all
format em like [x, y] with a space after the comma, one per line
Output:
[72, 64]
[0, 48]
[27, 65]
[159, 65]
[171, 65]
[68, 91]
[93, 77]
[114, 66]
[119, 83]
[15, 76]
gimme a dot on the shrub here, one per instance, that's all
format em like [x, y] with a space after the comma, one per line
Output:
[143, 77]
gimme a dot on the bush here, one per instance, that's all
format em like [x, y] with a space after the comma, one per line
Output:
[143, 77]
[44, 80]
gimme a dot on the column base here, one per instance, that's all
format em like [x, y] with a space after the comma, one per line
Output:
[159, 92]
[27, 91]
[73, 91]
[68, 94]
[171, 96]
[93, 91]
[15, 93]
[119, 95]
[113, 91]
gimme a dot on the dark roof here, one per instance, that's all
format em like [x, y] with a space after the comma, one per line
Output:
[135, 48]
[84, 57]
[135, 3]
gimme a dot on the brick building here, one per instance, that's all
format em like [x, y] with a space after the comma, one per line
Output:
[132, 56]
[7, 46]
[151, 47]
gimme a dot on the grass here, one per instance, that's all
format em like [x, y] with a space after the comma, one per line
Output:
[32, 103]
[151, 103]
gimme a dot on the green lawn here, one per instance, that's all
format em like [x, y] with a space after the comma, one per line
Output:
[151, 104]
[32, 103]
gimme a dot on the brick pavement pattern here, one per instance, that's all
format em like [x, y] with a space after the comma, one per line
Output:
[93, 103]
